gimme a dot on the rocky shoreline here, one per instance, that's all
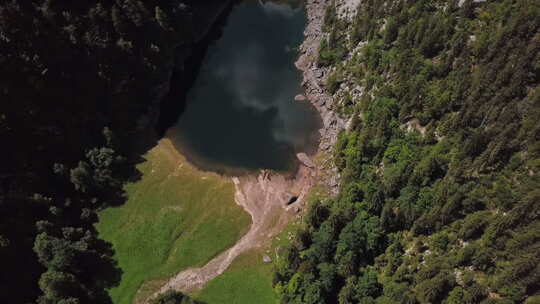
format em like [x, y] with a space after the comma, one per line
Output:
[314, 79]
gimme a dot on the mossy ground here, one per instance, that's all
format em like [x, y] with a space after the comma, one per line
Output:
[175, 217]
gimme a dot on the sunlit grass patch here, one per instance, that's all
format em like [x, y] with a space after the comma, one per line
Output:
[176, 217]
[248, 280]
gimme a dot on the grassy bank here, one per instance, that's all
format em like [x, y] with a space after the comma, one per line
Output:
[248, 280]
[175, 217]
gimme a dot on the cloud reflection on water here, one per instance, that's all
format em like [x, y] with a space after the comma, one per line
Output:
[241, 111]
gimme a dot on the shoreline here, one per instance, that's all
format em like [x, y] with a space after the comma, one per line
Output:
[266, 196]
[314, 79]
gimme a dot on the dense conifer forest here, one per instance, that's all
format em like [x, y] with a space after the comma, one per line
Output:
[80, 85]
[440, 192]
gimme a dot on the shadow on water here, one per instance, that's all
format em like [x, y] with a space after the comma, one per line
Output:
[239, 114]
[185, 73]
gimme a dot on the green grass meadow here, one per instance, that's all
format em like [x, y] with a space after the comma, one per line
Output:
[248, 280]
[175, 217]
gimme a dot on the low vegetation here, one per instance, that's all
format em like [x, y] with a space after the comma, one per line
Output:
[173, 297]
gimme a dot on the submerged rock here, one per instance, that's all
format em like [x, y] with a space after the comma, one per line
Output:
[300, 97]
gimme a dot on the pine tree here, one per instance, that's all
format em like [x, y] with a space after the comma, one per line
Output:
[162, 19]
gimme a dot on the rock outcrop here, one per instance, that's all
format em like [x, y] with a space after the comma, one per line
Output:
[314, 80]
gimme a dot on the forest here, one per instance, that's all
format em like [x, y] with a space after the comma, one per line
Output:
[440, 194]
[440, 186]
[80, 90]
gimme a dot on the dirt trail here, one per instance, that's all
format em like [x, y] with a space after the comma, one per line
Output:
[265, 198]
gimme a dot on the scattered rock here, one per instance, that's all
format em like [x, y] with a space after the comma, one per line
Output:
[459, 277]
[348, 124]
[267, 259]
[461, 2]
[300, 97]
[305, 160]
[413, 125]
[314, 83]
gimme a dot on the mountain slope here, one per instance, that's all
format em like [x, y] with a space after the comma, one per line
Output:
[439, 198]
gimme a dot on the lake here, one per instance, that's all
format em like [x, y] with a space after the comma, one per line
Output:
[240, 114]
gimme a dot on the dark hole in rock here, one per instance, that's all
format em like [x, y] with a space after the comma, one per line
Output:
[292, 200]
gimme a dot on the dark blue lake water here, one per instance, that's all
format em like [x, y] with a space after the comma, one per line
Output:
[240, 113]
